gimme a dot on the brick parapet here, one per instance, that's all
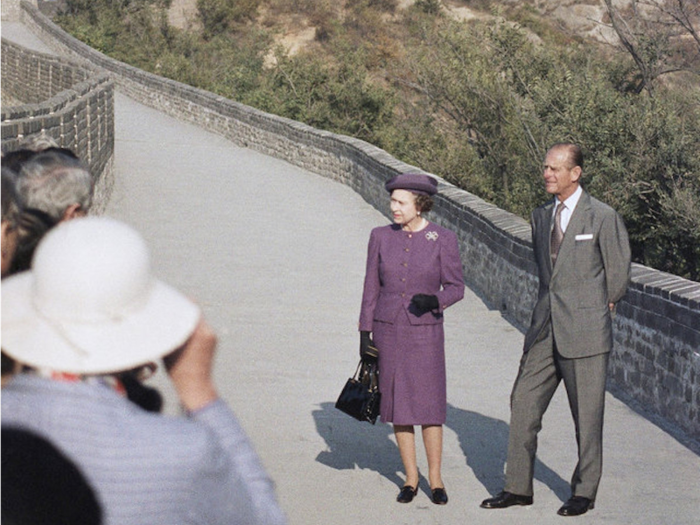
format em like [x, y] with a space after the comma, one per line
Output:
[62, 100]
[656, 355]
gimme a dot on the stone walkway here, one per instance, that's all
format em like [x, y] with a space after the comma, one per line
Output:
[275, 255]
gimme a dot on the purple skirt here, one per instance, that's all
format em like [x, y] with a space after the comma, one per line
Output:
[412, 376]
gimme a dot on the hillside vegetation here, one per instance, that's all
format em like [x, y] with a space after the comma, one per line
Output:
[475, 99]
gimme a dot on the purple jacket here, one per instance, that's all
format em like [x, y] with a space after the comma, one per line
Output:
[401, 264]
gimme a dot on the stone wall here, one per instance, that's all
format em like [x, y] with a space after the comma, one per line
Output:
[70, 103]
[656, 359]
[10, 9]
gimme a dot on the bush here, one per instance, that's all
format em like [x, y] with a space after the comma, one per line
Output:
[478, 104]
[218, 16]
[430, 7]
[509, 100]
[336, 96]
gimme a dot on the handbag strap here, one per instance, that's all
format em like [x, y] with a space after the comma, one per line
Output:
[369, 370]
[358, 371]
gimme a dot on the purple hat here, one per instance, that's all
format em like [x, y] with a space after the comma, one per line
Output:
[414, 182]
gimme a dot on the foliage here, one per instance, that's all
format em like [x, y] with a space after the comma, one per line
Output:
[219, 16]
[508, 100]
[430, 7]
[477, 104]
[336, 96]
[661, 37]
[388, 6]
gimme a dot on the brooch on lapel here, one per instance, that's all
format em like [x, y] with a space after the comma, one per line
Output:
[431, 236]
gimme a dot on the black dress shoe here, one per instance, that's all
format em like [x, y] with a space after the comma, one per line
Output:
[407, 494]
[439, 496]
[505, 499]
[576, 506]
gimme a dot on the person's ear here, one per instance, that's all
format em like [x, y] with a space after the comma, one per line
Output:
[576, 173]
[73, 212]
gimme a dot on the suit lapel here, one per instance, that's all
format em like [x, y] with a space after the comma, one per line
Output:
[546, 233]
[576, 226]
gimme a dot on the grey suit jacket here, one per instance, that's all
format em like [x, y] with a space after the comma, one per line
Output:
[147, 468]
[592, 270]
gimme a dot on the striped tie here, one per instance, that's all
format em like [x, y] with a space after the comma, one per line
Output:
[557, 233]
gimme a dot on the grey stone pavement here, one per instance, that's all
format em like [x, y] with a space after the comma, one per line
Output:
[275, 256]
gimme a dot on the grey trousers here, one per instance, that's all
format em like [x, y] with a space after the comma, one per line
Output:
[542, 368]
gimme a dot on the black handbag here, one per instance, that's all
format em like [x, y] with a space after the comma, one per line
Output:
[360, 396]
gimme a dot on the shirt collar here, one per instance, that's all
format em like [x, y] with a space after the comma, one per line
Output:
[572, 201]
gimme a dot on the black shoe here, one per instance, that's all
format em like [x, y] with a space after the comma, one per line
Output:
[439, 496]
[576, 506]
[505, 499]
[407, 494]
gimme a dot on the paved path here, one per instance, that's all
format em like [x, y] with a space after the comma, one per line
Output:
[275, 255]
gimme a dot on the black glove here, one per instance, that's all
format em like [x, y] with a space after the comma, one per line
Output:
[367, 348]
[425, 303]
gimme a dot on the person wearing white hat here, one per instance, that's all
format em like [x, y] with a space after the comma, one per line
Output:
[88, 310]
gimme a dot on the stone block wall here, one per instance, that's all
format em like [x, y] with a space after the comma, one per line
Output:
[72, 104]
[656, 358]
[657, 346]
[10, 9]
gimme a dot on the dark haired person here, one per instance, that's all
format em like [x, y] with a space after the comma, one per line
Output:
[41, 486]
[414, 272]
[583, 259]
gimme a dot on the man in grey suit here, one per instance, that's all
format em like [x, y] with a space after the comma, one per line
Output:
[583, 258]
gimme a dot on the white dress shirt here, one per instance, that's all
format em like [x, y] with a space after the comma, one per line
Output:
[570, 203]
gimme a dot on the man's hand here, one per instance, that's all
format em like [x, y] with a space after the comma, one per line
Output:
[190, 368]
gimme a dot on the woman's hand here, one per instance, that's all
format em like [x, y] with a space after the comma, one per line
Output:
[367, 348]
[425, 303]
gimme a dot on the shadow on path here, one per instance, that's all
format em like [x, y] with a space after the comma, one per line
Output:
[352, 444]
[484, 441]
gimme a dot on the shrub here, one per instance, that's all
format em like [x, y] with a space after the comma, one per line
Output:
[509, 100]
[430, 7]
[478, 104]
[218, 16]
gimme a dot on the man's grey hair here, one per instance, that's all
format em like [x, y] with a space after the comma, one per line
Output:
[38, 142]
[51, 181]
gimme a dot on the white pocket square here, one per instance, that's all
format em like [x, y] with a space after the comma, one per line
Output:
[584, 237]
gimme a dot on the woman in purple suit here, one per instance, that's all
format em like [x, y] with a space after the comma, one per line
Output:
[414, 272]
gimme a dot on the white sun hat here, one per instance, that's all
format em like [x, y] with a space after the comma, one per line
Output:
[90, 304]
